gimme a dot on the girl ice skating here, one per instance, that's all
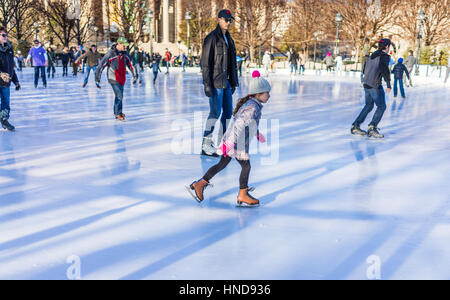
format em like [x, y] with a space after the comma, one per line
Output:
[236, 141]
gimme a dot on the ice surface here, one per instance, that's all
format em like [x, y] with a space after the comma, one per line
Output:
[75, 182]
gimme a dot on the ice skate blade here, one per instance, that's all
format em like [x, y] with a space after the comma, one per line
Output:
[192, 193]
[245, 205]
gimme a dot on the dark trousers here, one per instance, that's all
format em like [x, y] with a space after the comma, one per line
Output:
[75, 69]
[220, 103]
[38, 70]
[52, 69]
[118, 93]
[65, 69]
[155, 75]
[373, 96]
[223, 163]
[4, 97]
[402, 89]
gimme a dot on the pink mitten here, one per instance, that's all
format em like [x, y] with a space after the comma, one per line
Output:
[261, 138]
[225, 148]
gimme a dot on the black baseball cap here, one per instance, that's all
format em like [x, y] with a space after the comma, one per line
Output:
[226, 14]
[384, 43]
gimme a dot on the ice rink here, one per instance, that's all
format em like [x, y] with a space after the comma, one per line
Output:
[83, 194]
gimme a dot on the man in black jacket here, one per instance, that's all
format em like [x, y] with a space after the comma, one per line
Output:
[220, 77]
[376, 68]
[7, 74]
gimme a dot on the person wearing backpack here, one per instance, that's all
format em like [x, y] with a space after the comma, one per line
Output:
[376, 68]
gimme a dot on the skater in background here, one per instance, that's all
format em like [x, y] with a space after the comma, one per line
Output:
[117, 62]
[7, 74]
[399, 71]
[40, 61]
[448, 67]
[167, 58]
[272, 63]
[302, 60]
[92, 58]
[266, 62]
[329, 62]
[237, 139]
[65, 59]
[410, 62]
[376, 68]
[51, 62]
[239, 61]
[76, 53]
[246, 63]
[135, 61]
[20, 60]
[184, 60]
[155, 68]
[339, 64]
[293, 61]
[220, 78]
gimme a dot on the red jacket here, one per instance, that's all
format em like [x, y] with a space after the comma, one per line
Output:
[117, 63]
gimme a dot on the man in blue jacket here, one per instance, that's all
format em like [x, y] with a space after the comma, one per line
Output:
[398, 72]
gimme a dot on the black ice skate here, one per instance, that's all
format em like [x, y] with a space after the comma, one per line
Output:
[6, 125]
[373, 132]
[357, 130]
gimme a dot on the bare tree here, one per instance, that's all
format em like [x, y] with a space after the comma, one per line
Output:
[7, 8]
[203, 21]
[307, 17]
[256, 22]
[59, 21]
[435, 30]
[130, 14]
[82, 30]
[22, 18]
[363, 20]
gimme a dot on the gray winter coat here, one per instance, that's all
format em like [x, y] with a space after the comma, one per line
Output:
[410, 62]
[242, 129]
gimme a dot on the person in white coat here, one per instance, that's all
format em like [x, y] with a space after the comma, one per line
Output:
[266, 62]
[448, 68]
[339, 64]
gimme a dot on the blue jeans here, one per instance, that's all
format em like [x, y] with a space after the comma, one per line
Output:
[221, 102]
[301, 69]
[4, 109]
[89, 68]
[52, 69]
[183, 65]
[402, 89]
[118, 93]
[36, 75]
[373, 96]
[294, 68]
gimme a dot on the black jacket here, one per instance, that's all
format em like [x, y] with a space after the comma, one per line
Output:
[398, 71]
[381, 71]
[65, 57]
[7, 64]
[218, 61]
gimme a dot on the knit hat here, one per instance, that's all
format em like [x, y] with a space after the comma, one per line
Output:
[400, 60]
[258, 84]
